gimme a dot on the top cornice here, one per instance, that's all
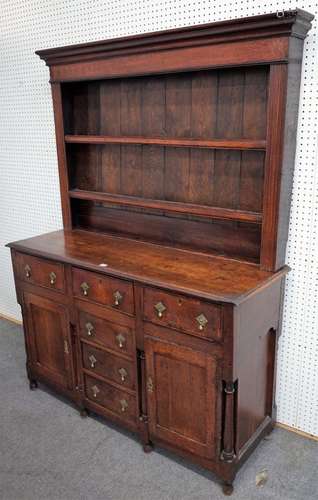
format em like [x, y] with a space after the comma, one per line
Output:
[294, 23]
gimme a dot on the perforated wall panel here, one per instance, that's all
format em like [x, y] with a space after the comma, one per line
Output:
[29, 201]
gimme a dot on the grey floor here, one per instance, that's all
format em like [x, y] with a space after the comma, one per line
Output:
[48, 452]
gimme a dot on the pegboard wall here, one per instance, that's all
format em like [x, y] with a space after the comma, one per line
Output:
[30, 203]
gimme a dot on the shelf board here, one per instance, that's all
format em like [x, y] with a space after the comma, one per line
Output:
[243, 144]
[169, 206]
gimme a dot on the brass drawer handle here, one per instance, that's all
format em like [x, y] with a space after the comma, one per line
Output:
[150, 384]
[202, 320]
[160, 309]
[92, 360]
[118, 298]
[123, 404]
[123, 374]
[89, 328]
[85, 288]
[27, 271]
[52, 278]
[120, 340]
[95, 390]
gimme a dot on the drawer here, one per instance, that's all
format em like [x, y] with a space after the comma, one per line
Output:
[194, 316]
[41, 272]
[114, 400]
[104, 290]
[112, 336]
[108, 365]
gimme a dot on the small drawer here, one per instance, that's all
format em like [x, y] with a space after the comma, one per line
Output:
[116, 337]
[41, 272]
[114, 400]
[194, 316]
[107, 365]
[104, 290]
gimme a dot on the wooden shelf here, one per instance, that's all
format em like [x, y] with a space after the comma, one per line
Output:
[169, 206]
[243, 144]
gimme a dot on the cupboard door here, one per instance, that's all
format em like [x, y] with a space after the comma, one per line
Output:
[181, 390]
[49, 339]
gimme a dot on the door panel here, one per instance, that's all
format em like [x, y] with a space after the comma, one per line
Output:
[181, 392]
[50, 339]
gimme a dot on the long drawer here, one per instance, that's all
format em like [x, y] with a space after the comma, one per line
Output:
[112, 336]
[197, 317]
[111, 292]
[105, 364]
[113, 399]
[42, 272]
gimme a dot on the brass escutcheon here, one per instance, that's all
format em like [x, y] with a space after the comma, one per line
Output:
[149, 384]
[95, 390]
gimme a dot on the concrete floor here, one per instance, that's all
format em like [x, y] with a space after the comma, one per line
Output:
[48, 452]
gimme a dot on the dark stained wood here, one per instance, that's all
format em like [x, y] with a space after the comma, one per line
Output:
[47, 324]
[179, 147]
[200, 143]
[41, 272]
[181, 395]
[261, 51]
[112, 398]
[113, 336]
[61, 153]
[183, 313]
[209, 277]
[172, 180]
[272, 174]
[228, 238]
[112, 368]
[103, 290]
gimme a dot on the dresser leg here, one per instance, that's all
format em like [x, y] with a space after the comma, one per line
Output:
[33, 384]
[227, 488]
[147, 447]
[84, 412]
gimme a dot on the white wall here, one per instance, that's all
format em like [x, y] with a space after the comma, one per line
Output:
[29, 199]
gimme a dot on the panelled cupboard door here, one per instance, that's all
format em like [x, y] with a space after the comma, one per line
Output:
[182, 396]
[49, 339]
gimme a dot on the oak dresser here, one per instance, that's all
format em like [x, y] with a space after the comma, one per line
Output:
[158, 304]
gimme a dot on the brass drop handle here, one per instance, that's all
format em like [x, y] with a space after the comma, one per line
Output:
[118, 298]
[85, 288]
[92, 360]
[202, 321]
[160, 309]
[95, 390]
[123, 374]
[120, 340]
[89, 328]
[27, 271]
[150, 384]
[52, 278]
[123, 404]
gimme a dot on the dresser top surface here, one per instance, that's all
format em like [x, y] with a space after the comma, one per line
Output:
[207, 276]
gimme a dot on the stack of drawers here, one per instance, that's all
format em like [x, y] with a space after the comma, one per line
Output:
[107, 343]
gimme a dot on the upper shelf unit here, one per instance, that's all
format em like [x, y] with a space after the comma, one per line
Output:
[184, 137]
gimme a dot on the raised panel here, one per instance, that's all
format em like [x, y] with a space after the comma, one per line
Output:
[50, 339]
[182, 396]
